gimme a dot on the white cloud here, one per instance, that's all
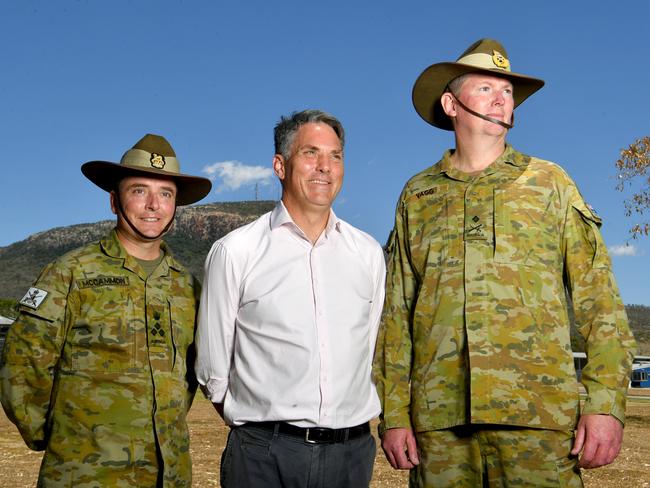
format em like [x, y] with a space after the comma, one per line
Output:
[234, 175]
[623, 250]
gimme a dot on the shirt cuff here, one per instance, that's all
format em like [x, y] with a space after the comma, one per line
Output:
[606, 402]
[394, 420]
[215, 390]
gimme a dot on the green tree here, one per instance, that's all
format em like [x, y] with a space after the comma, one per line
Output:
[633, 175]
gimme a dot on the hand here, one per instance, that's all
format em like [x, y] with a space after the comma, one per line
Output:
[599, 437]
[400, 448]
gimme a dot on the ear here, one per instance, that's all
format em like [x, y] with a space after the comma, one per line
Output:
[113, 196]
[448, 102]
[278, 166]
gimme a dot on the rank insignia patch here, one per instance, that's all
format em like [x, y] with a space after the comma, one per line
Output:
[33, 298]
[157, 161]
[499, 60]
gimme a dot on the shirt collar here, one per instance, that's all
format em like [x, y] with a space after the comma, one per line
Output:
[112, 247]
[510, 156]
[280, 216]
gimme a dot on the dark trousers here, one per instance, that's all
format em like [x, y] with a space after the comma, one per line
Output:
[259, 458]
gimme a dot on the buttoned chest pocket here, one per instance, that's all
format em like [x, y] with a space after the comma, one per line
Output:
[104, 335]
[435, 231]
[527, 228]
[182, 314]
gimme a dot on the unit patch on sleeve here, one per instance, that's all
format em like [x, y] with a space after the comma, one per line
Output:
[33, 298]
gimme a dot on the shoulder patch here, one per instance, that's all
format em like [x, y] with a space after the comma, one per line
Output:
[33, 298]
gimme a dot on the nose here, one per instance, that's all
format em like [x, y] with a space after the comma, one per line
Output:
[499, 99]
[323, 163]
[152, 202]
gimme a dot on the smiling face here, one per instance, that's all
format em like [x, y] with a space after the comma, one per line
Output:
[487, 95]
[148, 203]
[312, 177]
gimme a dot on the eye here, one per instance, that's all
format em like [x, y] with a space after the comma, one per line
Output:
[167, 194]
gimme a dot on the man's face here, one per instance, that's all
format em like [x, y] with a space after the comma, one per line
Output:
[487, 95]
[313, 175]
[149, 204]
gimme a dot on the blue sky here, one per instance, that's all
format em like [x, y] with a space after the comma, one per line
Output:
[84, 80]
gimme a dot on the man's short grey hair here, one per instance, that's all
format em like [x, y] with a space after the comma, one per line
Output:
[286, 129]
[455, 84]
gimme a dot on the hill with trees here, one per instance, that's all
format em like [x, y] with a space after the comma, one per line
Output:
[195, 230]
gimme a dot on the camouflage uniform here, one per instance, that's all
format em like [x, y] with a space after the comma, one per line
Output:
[97, 373]
[496, 456]
[475, 326]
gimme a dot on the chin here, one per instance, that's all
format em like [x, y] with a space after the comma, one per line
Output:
[150, 232]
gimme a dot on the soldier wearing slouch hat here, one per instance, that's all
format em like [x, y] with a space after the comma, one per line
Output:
[473, 364]
[97, 368]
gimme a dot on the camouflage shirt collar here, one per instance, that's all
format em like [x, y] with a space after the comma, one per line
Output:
[112, 247]
[509, 156]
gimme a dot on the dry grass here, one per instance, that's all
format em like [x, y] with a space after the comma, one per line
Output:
[19, 465]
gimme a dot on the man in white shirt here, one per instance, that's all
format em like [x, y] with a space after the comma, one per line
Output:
[287, 326]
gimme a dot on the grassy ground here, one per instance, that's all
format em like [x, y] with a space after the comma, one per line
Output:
[19, 465]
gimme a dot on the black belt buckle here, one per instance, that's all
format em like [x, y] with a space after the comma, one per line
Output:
[320, 435]
[307, 439]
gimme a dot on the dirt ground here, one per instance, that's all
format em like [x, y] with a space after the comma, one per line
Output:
[19, 465]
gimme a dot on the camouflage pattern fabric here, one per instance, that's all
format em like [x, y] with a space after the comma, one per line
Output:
[96, 374]
[469, 456]
[475, 326]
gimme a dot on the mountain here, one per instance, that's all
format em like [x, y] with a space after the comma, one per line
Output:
[194, 231]
[196, 228]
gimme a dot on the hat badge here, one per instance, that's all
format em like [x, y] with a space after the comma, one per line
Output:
[499, 60]
[157, 161]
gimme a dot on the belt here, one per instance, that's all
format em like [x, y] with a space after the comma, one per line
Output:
[314, 435]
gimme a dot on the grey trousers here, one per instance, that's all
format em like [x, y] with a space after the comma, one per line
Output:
[258, 458]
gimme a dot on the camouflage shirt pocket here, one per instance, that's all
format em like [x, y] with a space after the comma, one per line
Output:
[525, 229]
[589, 228]
[103, 336]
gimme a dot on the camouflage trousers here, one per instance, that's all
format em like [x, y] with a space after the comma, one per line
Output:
[495, 456]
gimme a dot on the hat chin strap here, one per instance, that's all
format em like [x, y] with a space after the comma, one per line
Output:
[136, 230]
[486, 117]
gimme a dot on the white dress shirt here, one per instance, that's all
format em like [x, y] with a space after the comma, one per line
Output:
[287, 329]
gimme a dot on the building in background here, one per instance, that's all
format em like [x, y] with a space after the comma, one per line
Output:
[4, 328]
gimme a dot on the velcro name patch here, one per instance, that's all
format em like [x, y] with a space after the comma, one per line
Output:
[424, 193]
[103, 281]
